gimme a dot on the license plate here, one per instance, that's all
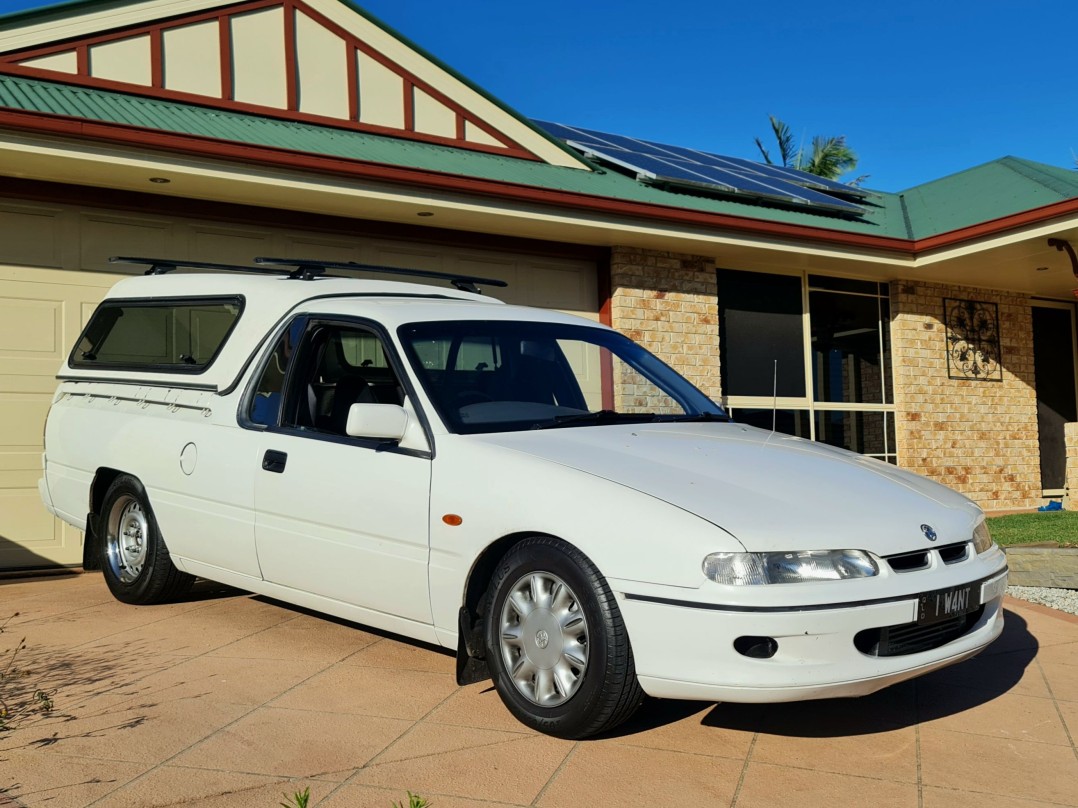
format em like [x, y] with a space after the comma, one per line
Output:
[943, 604]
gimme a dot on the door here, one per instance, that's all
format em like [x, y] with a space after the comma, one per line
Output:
[1053, 360]
[344, 518]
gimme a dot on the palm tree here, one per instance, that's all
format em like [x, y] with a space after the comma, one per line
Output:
[829, 157]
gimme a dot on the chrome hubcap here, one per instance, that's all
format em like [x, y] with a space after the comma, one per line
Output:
[544, 639]
[126, 537]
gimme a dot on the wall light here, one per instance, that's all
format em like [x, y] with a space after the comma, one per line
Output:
[1065, 246]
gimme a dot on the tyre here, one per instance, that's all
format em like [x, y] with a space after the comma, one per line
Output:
[556, 644]
[134, 559]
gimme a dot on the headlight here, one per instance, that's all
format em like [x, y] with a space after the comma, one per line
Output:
[982, 539]
[788, 567]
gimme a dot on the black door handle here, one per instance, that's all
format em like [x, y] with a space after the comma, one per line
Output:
[274, 461]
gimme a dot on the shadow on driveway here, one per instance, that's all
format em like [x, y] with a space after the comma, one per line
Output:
[936, 695]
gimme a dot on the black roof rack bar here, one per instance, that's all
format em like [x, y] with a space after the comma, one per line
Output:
[303, 269]
[306, 270]
[161, 266]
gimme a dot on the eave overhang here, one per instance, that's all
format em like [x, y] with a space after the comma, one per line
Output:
[898, 253]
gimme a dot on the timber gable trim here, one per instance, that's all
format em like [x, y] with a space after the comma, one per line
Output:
[71, 62]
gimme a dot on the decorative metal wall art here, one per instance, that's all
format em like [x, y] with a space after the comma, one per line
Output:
[972, 340]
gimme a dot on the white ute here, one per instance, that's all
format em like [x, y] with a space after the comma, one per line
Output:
[530, 489]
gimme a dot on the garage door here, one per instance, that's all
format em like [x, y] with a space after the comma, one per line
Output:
[54, 269]
[41, 314]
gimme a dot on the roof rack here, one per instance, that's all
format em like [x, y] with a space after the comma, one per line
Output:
[161, 266]
[308, 270]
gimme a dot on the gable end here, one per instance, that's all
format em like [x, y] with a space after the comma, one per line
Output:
[278, 58]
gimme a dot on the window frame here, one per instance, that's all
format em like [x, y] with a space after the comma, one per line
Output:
[157, 302]
[312, 321]
[808, 403]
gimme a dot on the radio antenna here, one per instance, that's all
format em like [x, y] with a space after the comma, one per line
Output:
[774, 396]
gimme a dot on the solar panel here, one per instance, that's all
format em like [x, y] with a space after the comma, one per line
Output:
[776, 172]
[676, 165]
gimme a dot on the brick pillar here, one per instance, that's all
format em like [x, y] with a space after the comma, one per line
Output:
[1070, 498]
[668, 303]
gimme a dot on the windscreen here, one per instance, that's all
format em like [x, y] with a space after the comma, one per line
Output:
[492, 376]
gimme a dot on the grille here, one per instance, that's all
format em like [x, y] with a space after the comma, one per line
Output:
[954, 553]
[911, 638]
[921, 559]
[908, 562]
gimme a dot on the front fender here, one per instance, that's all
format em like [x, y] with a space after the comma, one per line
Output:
[498, 492]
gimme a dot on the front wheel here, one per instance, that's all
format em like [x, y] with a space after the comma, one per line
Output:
[134, 560]
[556, 644]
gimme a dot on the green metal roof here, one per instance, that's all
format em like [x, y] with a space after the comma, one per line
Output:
[985, 192]
[33, 95]
[996, 189]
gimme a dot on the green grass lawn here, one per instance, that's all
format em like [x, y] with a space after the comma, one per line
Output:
[1027, 528]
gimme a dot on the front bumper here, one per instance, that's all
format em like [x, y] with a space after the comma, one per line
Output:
[687, 652]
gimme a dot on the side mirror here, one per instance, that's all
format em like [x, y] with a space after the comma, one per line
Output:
[379, 421]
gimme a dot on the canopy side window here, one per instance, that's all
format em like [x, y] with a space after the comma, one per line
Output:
[178, 335]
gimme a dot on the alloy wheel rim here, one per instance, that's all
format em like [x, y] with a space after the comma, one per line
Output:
[544, 639]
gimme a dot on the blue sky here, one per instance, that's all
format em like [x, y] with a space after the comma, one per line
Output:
[920, 89]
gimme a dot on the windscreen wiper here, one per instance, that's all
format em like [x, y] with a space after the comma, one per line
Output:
[599, 418]
[699, 416]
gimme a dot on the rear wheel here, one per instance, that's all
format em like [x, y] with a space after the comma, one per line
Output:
[556, 645]
[134, 559]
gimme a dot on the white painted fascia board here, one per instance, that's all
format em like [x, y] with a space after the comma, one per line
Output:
[1036, 232]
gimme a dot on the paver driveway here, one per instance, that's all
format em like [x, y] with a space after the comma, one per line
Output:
[231, 700]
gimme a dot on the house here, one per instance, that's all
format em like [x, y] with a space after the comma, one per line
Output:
[932, 328]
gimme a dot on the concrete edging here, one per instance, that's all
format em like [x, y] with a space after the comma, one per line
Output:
[1055, 567]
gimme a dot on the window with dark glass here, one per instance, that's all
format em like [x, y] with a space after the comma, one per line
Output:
[174, 336]
[847, 353]
[834, 333]
[788, 422]
[761, 323]
[337, 365]
[858, 431]
[265, 406]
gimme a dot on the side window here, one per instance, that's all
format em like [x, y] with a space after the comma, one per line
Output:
[164, 336]
[337, 366]
[265, 406]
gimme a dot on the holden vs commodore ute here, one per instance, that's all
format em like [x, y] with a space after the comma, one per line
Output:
[532, 490]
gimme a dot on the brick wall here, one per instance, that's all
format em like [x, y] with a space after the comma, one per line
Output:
[668, 303]
[979, 437]
[1070, 499]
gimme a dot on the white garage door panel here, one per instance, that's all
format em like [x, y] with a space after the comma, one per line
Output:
[54, 271]
[19, 410]
[101, 235]
[31, 235]
[40, 316]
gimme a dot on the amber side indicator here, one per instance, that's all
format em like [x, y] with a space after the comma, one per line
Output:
[452, 519]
